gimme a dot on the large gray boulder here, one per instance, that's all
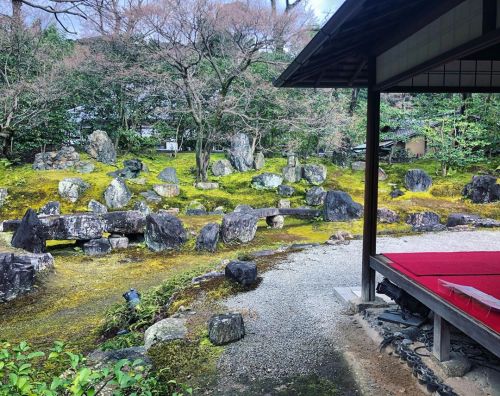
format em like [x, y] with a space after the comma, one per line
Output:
[292, 174]
[3, 196]
[222, 167]
[243, 272]
[267, 181]
[259, 161]
[65, 158]
[417, 180]
[72, 188]
[482, 189]
[315, 196]
[226, 328]
[388, 216]
[339, 206]
[30, 235]
[97, 207]
[425, 221]
[101, 148]
[165, 330]
[117, 194]
[208, 238]
[285, 191]
[164, 232]
[17, 276]
[238, 227]
[124, 222]
[78, 227]
[167, 190]
[314, 174]
[169, 175]
[51, 208]
[18, 272]
[240, 153]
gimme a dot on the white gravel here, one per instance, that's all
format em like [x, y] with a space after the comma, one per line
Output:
[293, 319]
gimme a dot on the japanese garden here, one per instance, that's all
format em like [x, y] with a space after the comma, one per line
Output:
[173, 221]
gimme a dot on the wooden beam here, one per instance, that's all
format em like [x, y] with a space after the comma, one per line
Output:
[441, 340]
[358, 70]
[477, 44]
[489, 15]
[371, 185]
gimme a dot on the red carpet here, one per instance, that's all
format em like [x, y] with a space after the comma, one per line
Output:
[480, 270]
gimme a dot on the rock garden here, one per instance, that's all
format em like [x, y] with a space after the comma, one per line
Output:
[79, 229]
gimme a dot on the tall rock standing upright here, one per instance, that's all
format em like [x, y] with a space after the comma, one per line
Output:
[117, 194]
[101, 148]
[240, 153]
[30, 235]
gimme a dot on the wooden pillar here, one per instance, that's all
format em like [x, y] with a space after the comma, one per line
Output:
[371, 186]
[441, 344]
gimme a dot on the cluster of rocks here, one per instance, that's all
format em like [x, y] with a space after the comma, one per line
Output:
[132, 169]
[294, 172]
[65, 158]
[18, 273]
[431, 221]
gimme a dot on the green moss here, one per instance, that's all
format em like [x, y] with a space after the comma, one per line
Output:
[180, 360]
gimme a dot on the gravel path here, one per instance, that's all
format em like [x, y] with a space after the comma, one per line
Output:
[294, 321]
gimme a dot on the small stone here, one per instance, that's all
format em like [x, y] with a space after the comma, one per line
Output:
[52, 208]
[388, 216]
[284, 204]
[275, 222]
[84, 167]
[243, 272]
[97, 207]
[226, 328]
[3, 196]
[169, 175]
[167, 190]
[259, 161]
[165, 330]
[207, 185]
[151, 196]
[222, 167]
[417, 180]
[97, 247]
[118, 242]
[195, 208]
[457, 366]
[266, 181]
[285, 191]
[142, 207]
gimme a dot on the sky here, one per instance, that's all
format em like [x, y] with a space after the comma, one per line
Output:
[324, 8]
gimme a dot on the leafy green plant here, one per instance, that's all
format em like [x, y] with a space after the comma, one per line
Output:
[24, 372]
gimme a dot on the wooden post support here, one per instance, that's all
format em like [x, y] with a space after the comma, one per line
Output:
[371, 185]
[441, 345]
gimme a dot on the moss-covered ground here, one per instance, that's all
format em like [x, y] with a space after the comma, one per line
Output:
[70, 303]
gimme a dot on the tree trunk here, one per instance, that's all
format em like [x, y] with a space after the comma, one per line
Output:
[354, 100]
[16, 13]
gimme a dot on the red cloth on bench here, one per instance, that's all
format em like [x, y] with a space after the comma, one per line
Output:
[477, 269]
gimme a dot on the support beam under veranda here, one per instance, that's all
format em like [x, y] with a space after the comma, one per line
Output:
[371, 185]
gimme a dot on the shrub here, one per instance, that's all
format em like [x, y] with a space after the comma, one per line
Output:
[25, 372]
